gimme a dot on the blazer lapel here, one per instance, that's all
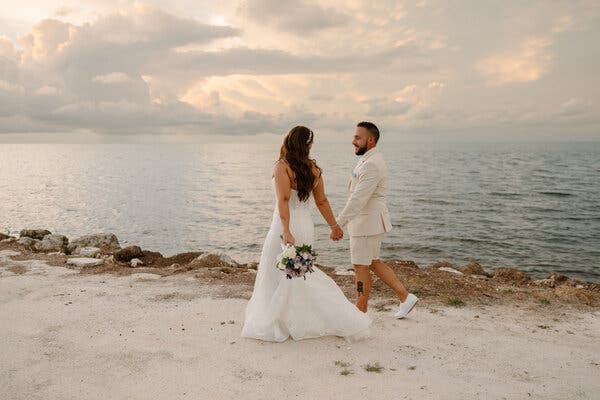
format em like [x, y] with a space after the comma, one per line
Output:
[358, 165]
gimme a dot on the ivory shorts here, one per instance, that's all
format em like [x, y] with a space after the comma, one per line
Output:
[365, 249]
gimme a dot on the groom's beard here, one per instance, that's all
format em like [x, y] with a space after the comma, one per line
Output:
[359, 151]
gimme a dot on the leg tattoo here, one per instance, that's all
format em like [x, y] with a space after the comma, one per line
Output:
[359, 288]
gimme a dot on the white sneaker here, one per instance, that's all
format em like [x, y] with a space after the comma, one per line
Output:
[406, 306]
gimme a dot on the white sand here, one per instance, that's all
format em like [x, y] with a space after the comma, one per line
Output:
[68, 336]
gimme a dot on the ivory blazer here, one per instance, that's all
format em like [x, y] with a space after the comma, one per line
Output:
[366, 212]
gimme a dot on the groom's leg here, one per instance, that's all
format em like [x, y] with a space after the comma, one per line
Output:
[361, 259]
[362, 286]
[387, 275]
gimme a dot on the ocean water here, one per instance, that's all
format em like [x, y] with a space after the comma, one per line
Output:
[533, 206]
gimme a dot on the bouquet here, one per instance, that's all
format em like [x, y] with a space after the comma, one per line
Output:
[296, 261]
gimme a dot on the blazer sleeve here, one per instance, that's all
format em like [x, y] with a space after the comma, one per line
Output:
[368, 178]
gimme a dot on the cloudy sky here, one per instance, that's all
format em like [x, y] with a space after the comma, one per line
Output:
[242, 70]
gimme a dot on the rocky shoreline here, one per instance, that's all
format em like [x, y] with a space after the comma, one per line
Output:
[440, 283]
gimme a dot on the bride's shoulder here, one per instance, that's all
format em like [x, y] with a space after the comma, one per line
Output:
[281, 166]
[316, 170]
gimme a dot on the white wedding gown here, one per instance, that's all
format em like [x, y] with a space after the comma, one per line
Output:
[298, 308]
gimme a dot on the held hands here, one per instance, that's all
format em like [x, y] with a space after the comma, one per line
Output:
[336, 233]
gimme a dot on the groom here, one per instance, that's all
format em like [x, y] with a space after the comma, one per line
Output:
[367, 218]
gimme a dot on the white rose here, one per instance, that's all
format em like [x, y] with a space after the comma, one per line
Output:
[290, 252]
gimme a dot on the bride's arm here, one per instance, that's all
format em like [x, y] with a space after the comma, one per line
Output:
[283, 187]
[325, 209]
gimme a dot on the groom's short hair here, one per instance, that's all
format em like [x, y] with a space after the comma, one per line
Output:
[371, 128]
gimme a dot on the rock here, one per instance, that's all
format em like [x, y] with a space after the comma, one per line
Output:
[215, 260]
[511, 275]
[572, 294]
[472, 268]
[9, 240]
[451, 270]
[88, 251]
[155, 259]
[177, 268]
[543, 282]
[551, 280]
[34, 233]
[3, 236]
[27, 241]
[83, 262]
[128, 253]
[222, 256]
[558, 278]
[106, 242]
[229, 260]
[403, 263]
[484, 277]
[135, 262]
[4, 254]
[52, 242]
[109, 259]
[442, 264]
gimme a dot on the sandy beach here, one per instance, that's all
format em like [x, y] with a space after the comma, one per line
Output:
[73, 335]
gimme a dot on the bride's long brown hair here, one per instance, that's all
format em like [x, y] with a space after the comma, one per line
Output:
[294, 151]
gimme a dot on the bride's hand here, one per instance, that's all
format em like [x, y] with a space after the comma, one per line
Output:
[336, 233]
[288, 238]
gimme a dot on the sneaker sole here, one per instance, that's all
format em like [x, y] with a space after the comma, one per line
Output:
[408, 312]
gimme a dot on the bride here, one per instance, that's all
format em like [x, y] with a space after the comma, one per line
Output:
[300, 308]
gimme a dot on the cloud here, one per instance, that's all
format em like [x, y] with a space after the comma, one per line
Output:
[574, 107]
[298, 17]
[134, 70]
[47, 39]
[113, 77]
[244, 60]
[436, 85]
[47, 90]
[90, 76]
[528, 64]
[563, 24]
[11, 87]
[382, 107]
[150, 70]
[13, 27]
[7, 49]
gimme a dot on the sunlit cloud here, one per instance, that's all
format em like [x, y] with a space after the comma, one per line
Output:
[47, 90]
[301, 17]
[527, 64]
